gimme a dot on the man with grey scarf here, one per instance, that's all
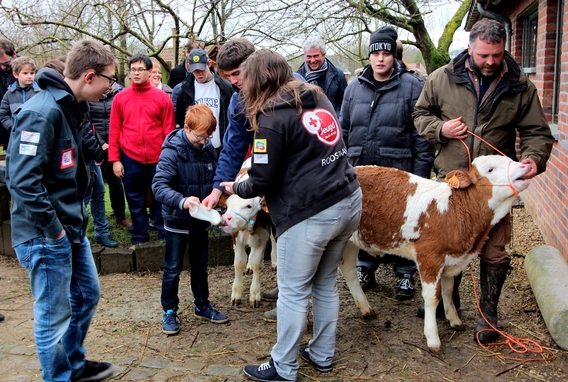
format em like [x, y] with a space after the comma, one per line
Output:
[320, 71]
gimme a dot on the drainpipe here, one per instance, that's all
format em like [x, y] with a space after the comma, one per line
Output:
[495, 16]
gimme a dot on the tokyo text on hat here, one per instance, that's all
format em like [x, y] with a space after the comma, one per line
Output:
[383, 39]
[198, 60]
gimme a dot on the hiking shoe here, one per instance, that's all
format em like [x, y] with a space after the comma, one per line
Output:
[212, 315]
[366, 278]
[405, 288]
[271, 315]
[170, 324]
[271, 295]
[305, 354]
[106, 241]
[1, 317]
[124, 221]
[95, 371]
[264, 373]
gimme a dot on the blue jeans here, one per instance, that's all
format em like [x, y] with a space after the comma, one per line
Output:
[65, 285]
[137, 181]
[197, 245]
[96, 196]
[308, 257]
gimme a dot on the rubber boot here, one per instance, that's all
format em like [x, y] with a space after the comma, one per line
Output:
[440, 312]
[271, 295]
[271, 315]
[491, 279]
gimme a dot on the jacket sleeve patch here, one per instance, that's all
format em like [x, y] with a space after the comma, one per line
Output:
[259, 146]
[29, 136]
[26, 149]
[260, 158]
[67, 158]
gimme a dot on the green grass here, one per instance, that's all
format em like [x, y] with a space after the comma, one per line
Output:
[117, 232]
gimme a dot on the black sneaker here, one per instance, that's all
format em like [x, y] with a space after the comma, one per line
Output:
[366, 278]
[405, 288]
[95, 371]
[305, 354]
[212, 315]
[263, 373]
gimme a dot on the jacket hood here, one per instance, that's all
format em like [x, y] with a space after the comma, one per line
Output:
[15, 86]
[308, 96]
[50, 77]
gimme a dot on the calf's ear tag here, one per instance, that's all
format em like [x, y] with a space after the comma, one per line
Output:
[453, 181]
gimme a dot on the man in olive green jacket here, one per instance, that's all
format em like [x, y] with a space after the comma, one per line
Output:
[483, 91]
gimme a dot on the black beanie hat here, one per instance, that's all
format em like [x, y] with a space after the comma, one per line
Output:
[383, 39]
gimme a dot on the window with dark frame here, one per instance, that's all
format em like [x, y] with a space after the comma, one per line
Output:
[530, 26]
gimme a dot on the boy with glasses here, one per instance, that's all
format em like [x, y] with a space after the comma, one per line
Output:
[47, 179]
[184, 176]
[141, 117]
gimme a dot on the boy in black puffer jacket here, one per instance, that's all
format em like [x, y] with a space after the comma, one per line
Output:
[184, 176]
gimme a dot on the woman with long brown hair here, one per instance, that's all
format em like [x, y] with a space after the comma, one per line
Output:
[299, 164]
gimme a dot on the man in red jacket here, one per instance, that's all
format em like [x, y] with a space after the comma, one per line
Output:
[141, 117]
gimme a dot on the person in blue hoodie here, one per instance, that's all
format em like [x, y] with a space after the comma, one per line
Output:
[47, 179]
[24, 88]
[184, 176]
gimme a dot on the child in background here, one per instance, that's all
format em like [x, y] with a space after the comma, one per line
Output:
[20, 91]
[184, 176]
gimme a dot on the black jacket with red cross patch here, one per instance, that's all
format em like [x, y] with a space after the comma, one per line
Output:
[299, 160]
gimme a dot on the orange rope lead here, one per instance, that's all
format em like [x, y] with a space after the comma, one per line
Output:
[517, 345]
[510, 184]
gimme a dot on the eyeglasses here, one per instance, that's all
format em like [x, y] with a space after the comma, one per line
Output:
[156, 72]
[111, 80]
[7, 63]
[138, 70]
[201, 137]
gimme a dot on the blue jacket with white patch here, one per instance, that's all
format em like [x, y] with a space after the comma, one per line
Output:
[45, 170]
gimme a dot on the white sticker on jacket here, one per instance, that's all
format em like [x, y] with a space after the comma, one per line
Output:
[260, 158]
[30, 150]
[29, 136]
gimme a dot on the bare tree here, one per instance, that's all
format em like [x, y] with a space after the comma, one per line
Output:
[150, 26]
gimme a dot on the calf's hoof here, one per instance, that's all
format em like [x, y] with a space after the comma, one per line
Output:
[235, 301]
[248, 271]
[460, 327]
[370, 314]
[254, 303]
[435, 349]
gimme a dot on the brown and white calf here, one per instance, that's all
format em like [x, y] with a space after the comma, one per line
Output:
[248, 221]
[441, 226]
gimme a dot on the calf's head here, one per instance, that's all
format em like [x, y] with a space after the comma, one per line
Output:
[503, 175]
[241, 213]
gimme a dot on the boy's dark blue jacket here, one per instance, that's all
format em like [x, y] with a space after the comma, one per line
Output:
[14, 98]
[182, 171]
[45, 170]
